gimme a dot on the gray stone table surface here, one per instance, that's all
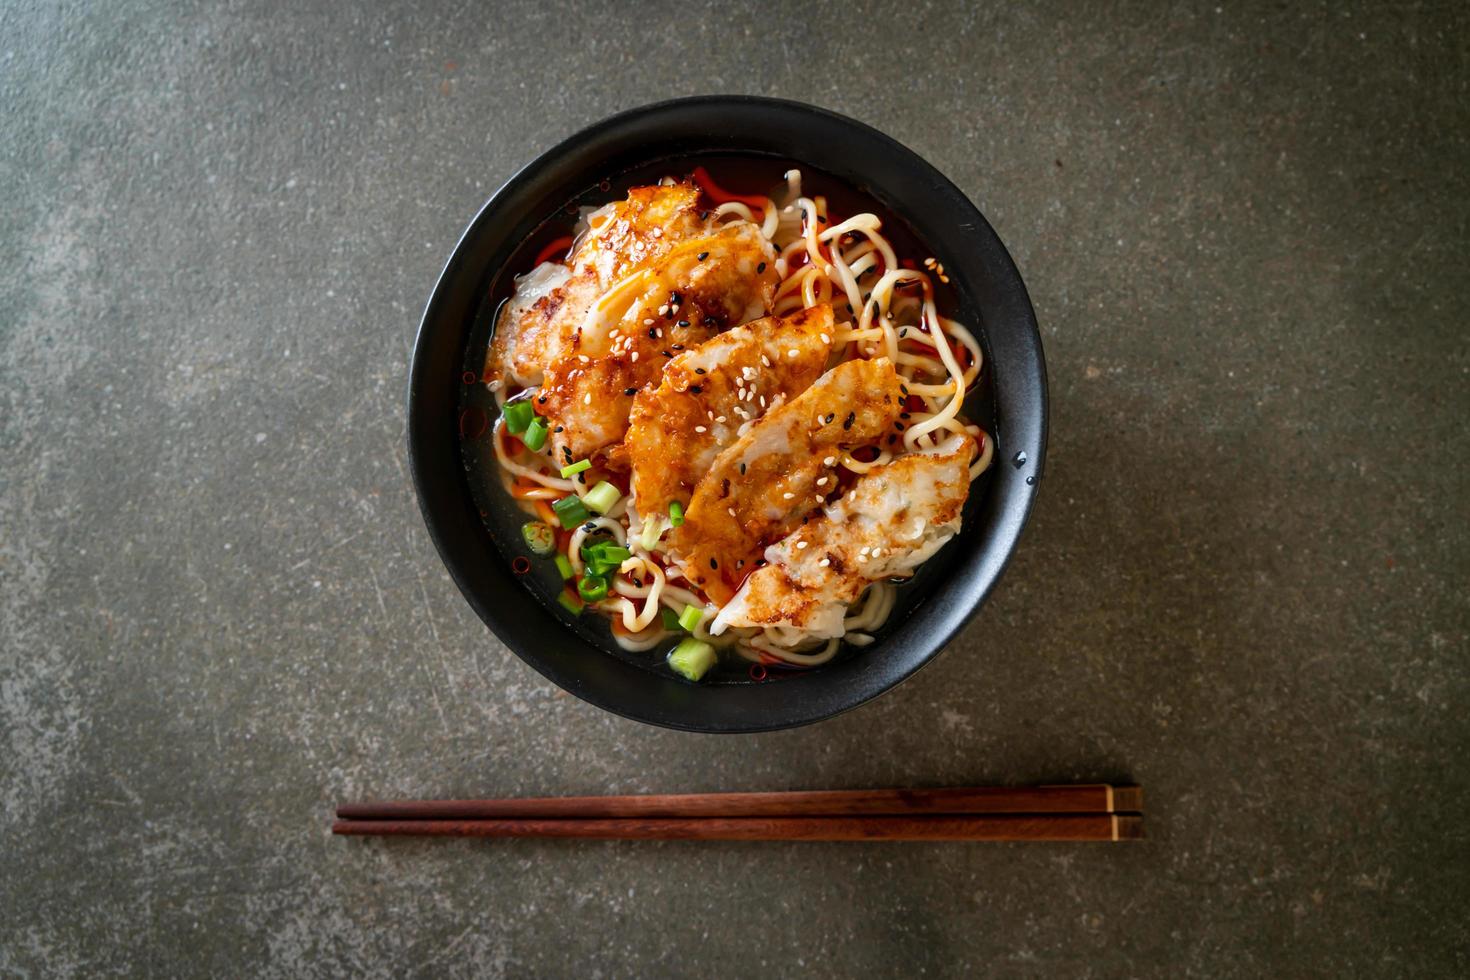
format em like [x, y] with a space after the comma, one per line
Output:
[1244, 227]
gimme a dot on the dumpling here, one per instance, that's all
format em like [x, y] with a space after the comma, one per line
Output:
[709, 394]
[761, 487]
[893, 519]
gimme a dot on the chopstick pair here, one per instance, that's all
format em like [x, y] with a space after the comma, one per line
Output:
[1094, 812]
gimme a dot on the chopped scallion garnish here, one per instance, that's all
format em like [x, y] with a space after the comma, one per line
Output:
[572, 469]
[603, 497]
[518, 415]
[649, 536]
[669, 620]
[535, 434]
[570, 511]
[539, 537]
[692, 658]
[690, 617]
[592, 588]
[571, 603]
[676, 513]
[564, 566]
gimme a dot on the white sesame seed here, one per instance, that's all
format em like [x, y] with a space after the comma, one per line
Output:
[822, 482]
[720, 418]
[826, 339]
[763, 401]
[648, 322]
[584, 358]
[587, 398]
[635, 355]
[793, 352]
[787, 496]
[825, 562]
[800, 545]
[700, 428]
[865, 550]
[765, 361]
[819, 498]
[877, 552]
[659, 333]
[851, 494]
[730, 511]
[663, 310]
[862, 558]
[829, 460]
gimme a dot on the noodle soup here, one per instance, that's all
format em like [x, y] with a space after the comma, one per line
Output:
[819, 245]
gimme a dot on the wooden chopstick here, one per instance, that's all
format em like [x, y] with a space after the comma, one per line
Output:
[914, 827]
[802, 803]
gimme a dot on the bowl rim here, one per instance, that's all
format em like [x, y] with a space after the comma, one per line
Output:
[993, 552]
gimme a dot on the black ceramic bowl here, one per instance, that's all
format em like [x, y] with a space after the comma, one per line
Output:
[991, 300]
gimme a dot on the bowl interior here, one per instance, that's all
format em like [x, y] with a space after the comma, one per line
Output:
[477, 539]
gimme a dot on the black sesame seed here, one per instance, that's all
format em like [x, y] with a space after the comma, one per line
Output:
[666, 353]
[678, 347]
[674, 299]
[541, 400]
[653, 333]
[702, 256]
[742, 469]
[724, 488]
[696, 389]
[589, 526]
[760, 268]
[630, 391]
[851, 418]
[829, 418]
[582, 478]
[849, 307]
[892, 439]
[557, 429]
[903, 415]
[904, 389]
[740, 563]
[898, 426]
[713, 563]
[710, 321]
[682, 323]
[699, 371]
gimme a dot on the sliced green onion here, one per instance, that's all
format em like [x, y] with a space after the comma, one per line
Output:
[603, 497]
[571, 603]
[676, 513]
[598, 567]
[669, 620]
[564, 566]
[518, 415]
[593, 588]
[692, 658]
[606, 551]
[649, 536]
[539, 537]
[690, 617]
[535, 435]
[572, 469]
[570, 511]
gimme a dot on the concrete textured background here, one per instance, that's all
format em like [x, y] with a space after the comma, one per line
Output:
[1244, 227]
